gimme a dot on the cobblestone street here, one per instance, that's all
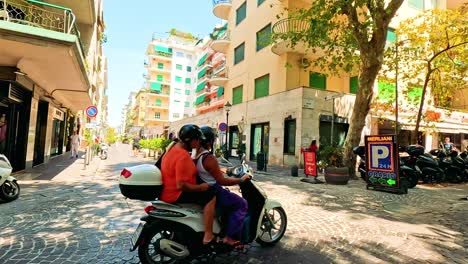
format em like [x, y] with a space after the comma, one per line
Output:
[79, 216]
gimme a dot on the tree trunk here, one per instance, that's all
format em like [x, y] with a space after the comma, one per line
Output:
[414, 135]
[361, 109]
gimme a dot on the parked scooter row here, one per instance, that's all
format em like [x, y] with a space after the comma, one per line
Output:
[438, 165]
[408, 175]
[9, 188]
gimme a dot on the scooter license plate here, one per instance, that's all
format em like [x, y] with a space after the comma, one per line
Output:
[136, 235]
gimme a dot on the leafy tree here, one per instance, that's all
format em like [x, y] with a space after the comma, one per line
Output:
[110, 135]
[340, 28]
[433, 56]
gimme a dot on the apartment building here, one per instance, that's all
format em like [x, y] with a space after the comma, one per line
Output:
[170, 83]
[51, 58]
[212, 72]
[279, 103]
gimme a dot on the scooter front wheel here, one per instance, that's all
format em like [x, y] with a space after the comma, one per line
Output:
[273, 227]
[9, 191]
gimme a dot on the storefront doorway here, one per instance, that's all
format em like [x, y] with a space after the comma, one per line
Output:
[41, 130]
[15, 106]
[259, 140]
[58, 129]
[233, 140]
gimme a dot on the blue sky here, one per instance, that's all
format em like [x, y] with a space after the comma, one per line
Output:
[129, 28]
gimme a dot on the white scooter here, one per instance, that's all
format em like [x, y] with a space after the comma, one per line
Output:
[9, 188]
[173, 232]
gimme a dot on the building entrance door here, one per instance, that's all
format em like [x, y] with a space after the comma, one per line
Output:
[41, 130]
[259, 139]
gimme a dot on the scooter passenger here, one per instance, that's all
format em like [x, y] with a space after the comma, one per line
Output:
[179, 176]
[210, 172]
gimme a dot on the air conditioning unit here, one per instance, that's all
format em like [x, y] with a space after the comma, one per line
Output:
[304, 63]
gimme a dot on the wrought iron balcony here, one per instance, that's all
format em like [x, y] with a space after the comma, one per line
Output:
[285, 26]
[221, 8]
[41, 15]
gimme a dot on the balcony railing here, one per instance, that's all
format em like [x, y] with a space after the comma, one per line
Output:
[160, 53]
[287, 25]
[217, 2]
[41, 15]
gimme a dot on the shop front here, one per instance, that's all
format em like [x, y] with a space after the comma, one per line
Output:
[58, 129]
[15, 105]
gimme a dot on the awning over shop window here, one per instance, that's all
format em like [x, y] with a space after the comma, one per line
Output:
[201, 73]
[220, 91]
[202, 59]
[162, 49]
[155, 86]
[200, 100]
[200, 86]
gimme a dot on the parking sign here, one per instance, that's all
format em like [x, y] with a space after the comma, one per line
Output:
[383, 163]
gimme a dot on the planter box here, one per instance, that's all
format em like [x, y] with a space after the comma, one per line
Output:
[337, 176]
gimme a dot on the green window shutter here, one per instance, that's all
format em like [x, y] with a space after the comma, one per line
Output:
[200, 100]
[178, 67]
[386, 91]
[155, 86]
[414, 94]
[160, 65]
[202, 73]
[177, 91]
[418, 4]
[202, 59]
[187, 92]
[187, 104]
[259, 2]
[200, 86]
[241, 13]
[160, 78]
[237, 95]
[189, 69]
[220, 91]
[239, 53]
[353, 84]
[263, 37]
[188, 80]
[391, 35]
[178, 79]
[158, 102]
[163, 49]
[317, 80]
[262, 86]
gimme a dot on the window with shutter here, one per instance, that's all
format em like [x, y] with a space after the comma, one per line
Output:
[160, 78]
[417, 4]
[262, 86]
[263, 37]
[237, 94]
[189, 69]
[239, 53]
[160, 65]
[178, 79]
[178, 67]
[353, 84]
[241, 13]
[317, 80]
[259, 2]
[188, 80]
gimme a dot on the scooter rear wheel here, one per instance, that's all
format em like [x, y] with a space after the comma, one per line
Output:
[9, 191]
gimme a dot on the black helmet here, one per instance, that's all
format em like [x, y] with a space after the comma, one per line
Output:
[189, 132]
[209, 134]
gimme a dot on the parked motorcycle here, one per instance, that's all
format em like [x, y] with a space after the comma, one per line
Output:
[9, 188]
[407, 173]
[174, 232]
[452, 165]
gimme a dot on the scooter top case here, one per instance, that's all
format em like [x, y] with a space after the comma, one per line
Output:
[415, 150]
[142, 182]
[426, 161]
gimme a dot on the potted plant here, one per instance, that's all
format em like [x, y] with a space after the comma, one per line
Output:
[331, 159]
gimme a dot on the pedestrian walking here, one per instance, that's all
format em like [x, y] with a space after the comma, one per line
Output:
[75, 143]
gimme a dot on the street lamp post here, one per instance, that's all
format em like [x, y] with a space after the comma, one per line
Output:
[227, 107]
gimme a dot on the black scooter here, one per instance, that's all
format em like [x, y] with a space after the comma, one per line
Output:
[426, 165]
[452, 165]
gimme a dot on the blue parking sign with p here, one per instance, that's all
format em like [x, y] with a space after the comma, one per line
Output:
[381, 156]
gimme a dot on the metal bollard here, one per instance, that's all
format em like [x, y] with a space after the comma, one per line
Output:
[84, 160]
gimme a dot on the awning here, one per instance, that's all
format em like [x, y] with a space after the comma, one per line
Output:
[202, 59]
[155, 86]
[200, 100]
[162, 49]
[202, 73]
[200, 86]
[220, 91]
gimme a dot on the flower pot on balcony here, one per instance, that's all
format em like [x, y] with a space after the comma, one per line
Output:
[337, 176]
